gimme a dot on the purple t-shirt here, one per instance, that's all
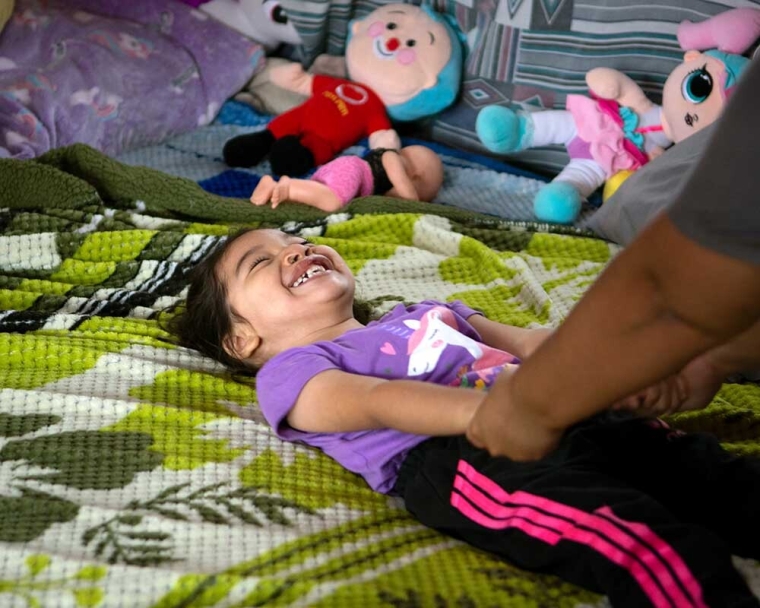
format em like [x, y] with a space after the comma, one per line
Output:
[430, 342]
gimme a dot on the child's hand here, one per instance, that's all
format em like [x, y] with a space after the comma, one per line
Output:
[693, 388]
[660, 399]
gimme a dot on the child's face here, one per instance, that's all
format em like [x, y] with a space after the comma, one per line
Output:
[285, 288]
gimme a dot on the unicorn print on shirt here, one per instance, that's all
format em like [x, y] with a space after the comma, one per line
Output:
[437, 330]
[431, 336]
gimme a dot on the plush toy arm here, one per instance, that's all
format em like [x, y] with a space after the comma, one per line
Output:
[331, 65]
[655, 152]
[386, 138]
[292, 77]
[613, 84]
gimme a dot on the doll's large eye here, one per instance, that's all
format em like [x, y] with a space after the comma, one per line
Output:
[392, 26]
[276, 12]
[697, 85]
[411, 43]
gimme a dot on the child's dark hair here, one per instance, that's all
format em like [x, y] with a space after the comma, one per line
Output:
[205, 319]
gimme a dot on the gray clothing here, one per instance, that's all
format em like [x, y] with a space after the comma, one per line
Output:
[719, 206]
[649, 191]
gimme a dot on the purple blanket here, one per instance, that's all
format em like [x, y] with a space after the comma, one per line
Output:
[114, 74]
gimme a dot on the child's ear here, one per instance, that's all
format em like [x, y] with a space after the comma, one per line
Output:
[242, 341]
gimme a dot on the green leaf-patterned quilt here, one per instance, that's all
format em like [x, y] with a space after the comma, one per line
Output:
[135, 473]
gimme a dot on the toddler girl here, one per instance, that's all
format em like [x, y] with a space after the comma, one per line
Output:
[625, 506]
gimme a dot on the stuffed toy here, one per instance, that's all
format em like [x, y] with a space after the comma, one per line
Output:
[404, 62]
[413, 173]
[618, 129]
[264, 21]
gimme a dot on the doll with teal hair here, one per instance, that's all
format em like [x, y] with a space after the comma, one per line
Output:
[404, 63]
[618, 129]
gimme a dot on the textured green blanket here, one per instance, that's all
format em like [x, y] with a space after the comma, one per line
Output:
[133, 473]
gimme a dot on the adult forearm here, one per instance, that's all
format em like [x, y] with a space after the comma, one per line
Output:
[645, 318]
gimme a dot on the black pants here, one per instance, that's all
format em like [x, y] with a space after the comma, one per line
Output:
[624, 507]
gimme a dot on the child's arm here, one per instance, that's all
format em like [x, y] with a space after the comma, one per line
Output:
[516, 341]
[403, 187]
[335, 401]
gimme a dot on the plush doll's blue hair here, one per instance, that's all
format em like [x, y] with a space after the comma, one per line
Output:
[444, 92]
[735, 65]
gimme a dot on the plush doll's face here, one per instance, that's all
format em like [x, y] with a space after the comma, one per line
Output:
[693, 96]
[398, 50]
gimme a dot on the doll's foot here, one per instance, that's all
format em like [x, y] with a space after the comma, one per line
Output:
[262, 194]
[503, 130]
[290, 157]
[558, 203]
[248, 150]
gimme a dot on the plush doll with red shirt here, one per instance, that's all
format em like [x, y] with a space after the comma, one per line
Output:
[404, 62]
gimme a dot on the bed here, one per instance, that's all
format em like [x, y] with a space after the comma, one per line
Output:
[136, 473]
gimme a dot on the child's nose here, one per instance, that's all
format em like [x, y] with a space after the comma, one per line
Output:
[297, 253]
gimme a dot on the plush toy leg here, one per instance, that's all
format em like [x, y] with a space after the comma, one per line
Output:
[560, 201]
[553, 127]
[290, 157]
[503, 130]
[248, 150]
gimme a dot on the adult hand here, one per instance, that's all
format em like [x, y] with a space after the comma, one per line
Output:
[505, 429]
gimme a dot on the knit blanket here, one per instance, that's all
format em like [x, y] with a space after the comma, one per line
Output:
[136, 473]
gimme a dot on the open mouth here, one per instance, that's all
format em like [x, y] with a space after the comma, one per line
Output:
[381, 50]
[310, 268]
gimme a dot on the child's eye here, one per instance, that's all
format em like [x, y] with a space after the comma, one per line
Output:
[697, 85]
[256, 262]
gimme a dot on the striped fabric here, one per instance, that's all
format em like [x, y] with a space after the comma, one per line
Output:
[531, 53]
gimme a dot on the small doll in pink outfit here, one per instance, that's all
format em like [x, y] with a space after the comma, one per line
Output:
[411, 173]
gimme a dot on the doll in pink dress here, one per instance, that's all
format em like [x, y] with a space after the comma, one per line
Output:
[412, 173]
[617, 128]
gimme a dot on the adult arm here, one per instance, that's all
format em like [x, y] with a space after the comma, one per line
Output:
[336, 401]
[663, 301]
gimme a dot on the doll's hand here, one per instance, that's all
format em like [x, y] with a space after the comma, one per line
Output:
[387, 138]
[604, 82]
[269, 190]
